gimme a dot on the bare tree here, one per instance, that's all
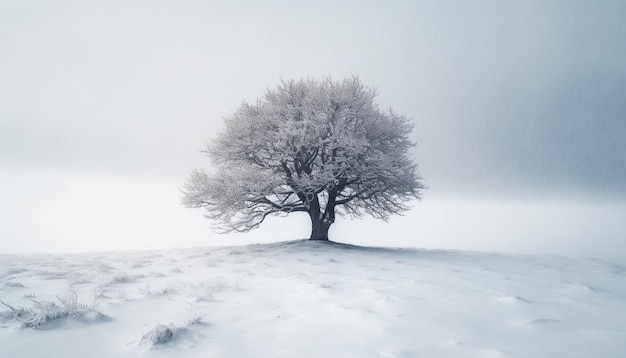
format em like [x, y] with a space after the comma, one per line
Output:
[319, 147]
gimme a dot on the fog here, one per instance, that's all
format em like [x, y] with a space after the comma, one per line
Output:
[520, 113]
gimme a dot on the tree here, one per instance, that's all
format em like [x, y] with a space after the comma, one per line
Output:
[319, 147]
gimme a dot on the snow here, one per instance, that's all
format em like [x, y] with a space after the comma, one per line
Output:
[312, 299]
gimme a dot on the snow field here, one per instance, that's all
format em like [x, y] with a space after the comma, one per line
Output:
[314, 299]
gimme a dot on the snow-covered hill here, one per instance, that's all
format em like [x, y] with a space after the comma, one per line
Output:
[310, 299]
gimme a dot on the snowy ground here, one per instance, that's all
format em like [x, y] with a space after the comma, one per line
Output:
[308, 299]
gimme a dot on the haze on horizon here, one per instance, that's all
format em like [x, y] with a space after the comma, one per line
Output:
[520, 113]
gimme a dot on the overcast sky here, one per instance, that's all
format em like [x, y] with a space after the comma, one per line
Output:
[520, 112]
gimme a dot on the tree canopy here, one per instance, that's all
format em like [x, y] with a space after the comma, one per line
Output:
[315, 146]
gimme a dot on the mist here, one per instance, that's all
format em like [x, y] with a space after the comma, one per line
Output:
[519, 114]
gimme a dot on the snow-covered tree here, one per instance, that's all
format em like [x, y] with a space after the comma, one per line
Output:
[319, 147]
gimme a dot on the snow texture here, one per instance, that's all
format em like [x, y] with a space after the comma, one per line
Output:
[310, 299]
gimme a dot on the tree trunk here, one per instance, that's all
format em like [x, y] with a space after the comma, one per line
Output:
[320, 222]
[319, 228]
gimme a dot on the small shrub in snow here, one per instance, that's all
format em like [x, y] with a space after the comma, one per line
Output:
[120, 277]
[166, 291]
[44, 311]
[160, 334]
[100, 295]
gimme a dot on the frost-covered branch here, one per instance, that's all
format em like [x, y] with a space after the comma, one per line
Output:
[314, 146]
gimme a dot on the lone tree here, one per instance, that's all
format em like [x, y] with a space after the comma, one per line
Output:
[319, 147]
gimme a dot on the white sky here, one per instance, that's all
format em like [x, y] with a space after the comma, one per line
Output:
[519, 107]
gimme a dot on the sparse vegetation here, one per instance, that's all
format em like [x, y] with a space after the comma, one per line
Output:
[160, 334]
[45, 311]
